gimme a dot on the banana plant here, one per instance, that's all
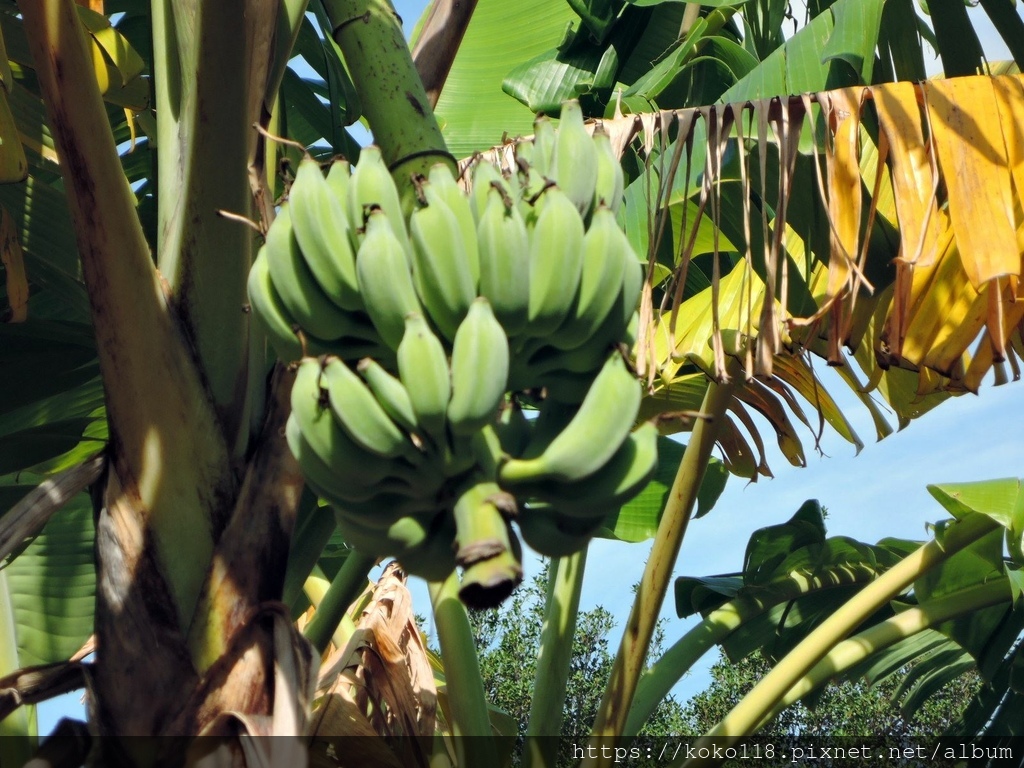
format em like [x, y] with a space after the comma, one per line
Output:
[148, 191]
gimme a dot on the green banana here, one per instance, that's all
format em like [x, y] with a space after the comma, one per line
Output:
[604, 265]
[542, 154]
[356, 469]
[556, 260]
[595, 433]
[407, 532]
[619, 480]
[552, 418]
[339, 177]
[423, 370]
[575, 158]
[386, 508]
[553, 535]
[441, 270]
[485, 178]
[270, 312]
[449, 191]
[610, 183]
[513, 429]
[385, 279]
[372, 186]
[299, 291]
[321, 230]
[390, 393]
[362, 416]
[479, 370]
[343, 482]
[433, 558]
[504, 248]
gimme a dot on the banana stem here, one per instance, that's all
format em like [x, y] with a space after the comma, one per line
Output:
[466, 700]
[492, 570]
[889, 632]
[565, 582]
[394, 100]
[751, 710]
[346, 587]
[629, 662]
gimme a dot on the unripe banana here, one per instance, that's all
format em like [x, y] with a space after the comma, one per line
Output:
[610, 184]
[362, 417]
[542, 155]
[441, 271]
[404, 534]
[485, 178]
[344, 483]
[432, 559]
[552, 418]
[600, 281]
[554, 535]
[556, 259]
[575, 158]
[513, 429]
[447, 189]
[372, 186]
[385, 279]
[384, 509]
[358, 472]
[322, 233]
[504, 247]
[479, 370]
[339, 178]
[270, 311]
[423, 370]
[595, 433]
[390, 393]
[619, 480]
[299, 291]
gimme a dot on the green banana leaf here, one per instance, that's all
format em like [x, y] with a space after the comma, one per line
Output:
[473, 110]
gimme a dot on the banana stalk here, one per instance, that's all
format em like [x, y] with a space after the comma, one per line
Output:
[346, 587]
[565, 582]
[469, 710]
[629, 662]
[492, 569]
[370, 36]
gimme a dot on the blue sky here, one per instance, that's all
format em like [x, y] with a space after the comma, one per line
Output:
[879, 493]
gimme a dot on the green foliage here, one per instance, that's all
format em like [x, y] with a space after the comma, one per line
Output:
[850, 708]
[508, 640]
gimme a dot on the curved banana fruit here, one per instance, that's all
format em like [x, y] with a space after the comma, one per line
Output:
[341, 483]
[321, 230]
[441, 271]
[372, 186]
[595, 433]
[479, 370]
[610, 184]
[485, 178]
[575, 158]
[542, 154]
[619, 480]
[354, 467]
[556, 260]
[299, 291]
[553, 535]
[362, 416]
[449, 191]
[504, 254]
[270, 311]
[339, 177]
[390, 393]
[423, 370]
[385, 279]
[604, 266]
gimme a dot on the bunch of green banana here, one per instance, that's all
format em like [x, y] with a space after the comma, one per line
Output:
[420, 334]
